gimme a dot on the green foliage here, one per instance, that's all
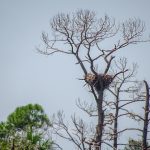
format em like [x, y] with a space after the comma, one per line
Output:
[32, 115]
[25, 129]
[134, 145]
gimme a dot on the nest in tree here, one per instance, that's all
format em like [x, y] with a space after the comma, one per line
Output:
[100, 81]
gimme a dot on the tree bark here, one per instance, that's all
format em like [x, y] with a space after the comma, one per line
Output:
[146, 121]
[99, 128]
[115, 144]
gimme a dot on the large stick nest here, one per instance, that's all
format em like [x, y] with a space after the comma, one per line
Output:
[100, 81]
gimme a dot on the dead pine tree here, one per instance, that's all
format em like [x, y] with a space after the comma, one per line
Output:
[146, 116]
[81, 35]
[143, 96]
[123, 90]
[121, 83]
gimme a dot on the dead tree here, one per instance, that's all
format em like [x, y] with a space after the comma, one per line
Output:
[146, 115]
[144, 118]
[81, 35]
[78, 133]
[144, 97]
[119, 106]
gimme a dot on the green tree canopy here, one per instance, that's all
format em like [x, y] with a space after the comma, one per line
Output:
[26, 128]
[134, 145]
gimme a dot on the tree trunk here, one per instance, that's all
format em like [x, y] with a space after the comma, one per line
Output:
[13, 145]
[115, 144]
[115, 131]
[146, 121]
[99, 128]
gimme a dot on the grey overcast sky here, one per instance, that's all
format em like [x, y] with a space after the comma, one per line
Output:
[28, 77]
